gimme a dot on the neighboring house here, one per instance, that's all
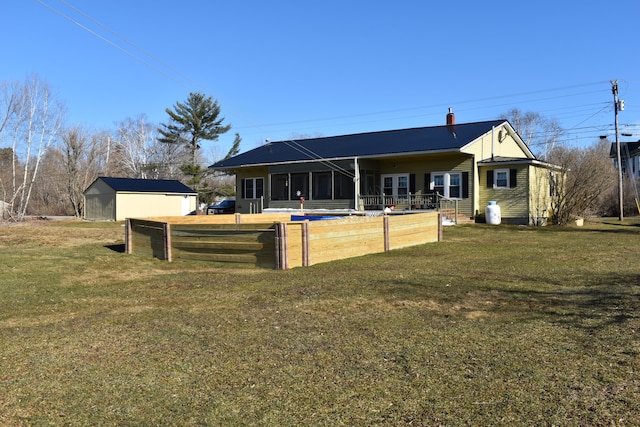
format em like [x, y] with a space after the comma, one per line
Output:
[629, 157]
[470, 164]
[115, 199]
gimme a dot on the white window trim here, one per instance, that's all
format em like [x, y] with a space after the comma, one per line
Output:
[447, 182]
[495, 179]
[255, 187]
[395, 187]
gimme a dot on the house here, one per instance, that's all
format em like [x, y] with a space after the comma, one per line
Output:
[468, 164]
[115, 199]
[629, 157]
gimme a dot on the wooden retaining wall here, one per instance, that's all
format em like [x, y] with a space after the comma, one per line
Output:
[273, 240]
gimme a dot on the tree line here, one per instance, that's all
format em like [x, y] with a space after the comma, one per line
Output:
[46, 166]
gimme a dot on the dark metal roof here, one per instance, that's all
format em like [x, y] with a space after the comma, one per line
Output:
[372, 144]
[146, 185]
[626, 149]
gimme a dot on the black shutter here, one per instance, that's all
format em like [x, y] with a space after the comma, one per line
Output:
[412, 183]
[513, 174]
[427, 182]
[465, 185]
[490, 178]
[241, 189]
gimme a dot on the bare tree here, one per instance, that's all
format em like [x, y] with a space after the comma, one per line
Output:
[136, 140]
[169, 159]
[587, 176]
[538, 132]
[81, 155]
[33, 122]
[49, 191]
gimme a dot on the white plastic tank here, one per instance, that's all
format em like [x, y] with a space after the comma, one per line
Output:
[492, 213]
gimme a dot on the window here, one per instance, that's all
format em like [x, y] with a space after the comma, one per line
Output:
[299, 185]
[403, 186]
[454, 185]
[502, 178]
[280, 186]
[396, 185]
[343, 186]
[448, 184]
[321, 185]
[438, 183]
[252, 188]
[368, 183]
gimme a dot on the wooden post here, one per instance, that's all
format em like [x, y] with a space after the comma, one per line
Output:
[305, 243]
[282, 262]
[167, 241]
[278, 243]
[128, 249]
[440, 227]
[385, 227]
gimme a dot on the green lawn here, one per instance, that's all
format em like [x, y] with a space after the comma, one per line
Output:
[496, 325]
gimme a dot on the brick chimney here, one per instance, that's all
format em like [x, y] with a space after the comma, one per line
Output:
[451, 118]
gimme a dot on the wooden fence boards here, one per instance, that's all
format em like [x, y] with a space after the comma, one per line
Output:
[148, 238]
[410, 230]
[343, 238]
[237, 243]
[261, 240]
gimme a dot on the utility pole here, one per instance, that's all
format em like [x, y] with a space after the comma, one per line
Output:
[616, 105]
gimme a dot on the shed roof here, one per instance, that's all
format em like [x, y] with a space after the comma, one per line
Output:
[371, 144]
[146, 185]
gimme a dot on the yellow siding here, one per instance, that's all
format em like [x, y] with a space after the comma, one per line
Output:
[539, 195]
[420, 165]
[513, 202]
[137, 205]
[500, 143]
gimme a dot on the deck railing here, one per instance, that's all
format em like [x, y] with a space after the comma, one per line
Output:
[429, 201]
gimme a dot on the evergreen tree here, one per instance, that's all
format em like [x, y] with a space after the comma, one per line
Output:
[235, 149]
[190, 123]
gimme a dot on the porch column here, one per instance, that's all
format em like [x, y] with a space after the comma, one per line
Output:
[356, 183]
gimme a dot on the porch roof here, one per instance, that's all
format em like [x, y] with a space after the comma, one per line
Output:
[372, 144]
[506, 161]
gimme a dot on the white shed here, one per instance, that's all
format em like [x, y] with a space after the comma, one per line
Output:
[115, 199]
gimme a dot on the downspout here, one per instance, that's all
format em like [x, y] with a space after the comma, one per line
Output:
[493, 128]
[356, 183]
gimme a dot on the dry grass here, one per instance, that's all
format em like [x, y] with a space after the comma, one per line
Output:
[493, 326]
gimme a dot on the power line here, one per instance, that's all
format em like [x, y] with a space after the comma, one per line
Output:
[481, 103]
[109, 42]
[130, 43]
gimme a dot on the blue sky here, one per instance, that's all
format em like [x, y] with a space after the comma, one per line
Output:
[285, 68]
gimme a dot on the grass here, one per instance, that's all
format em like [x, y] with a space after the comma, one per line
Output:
[493, 326]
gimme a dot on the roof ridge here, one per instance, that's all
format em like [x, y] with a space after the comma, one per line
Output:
[457, 125]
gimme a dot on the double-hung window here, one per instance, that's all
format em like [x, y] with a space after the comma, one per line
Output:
[252, 188]
[501, 178]
[447, 184]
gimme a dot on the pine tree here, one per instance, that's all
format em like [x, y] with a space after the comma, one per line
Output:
[190, 123]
